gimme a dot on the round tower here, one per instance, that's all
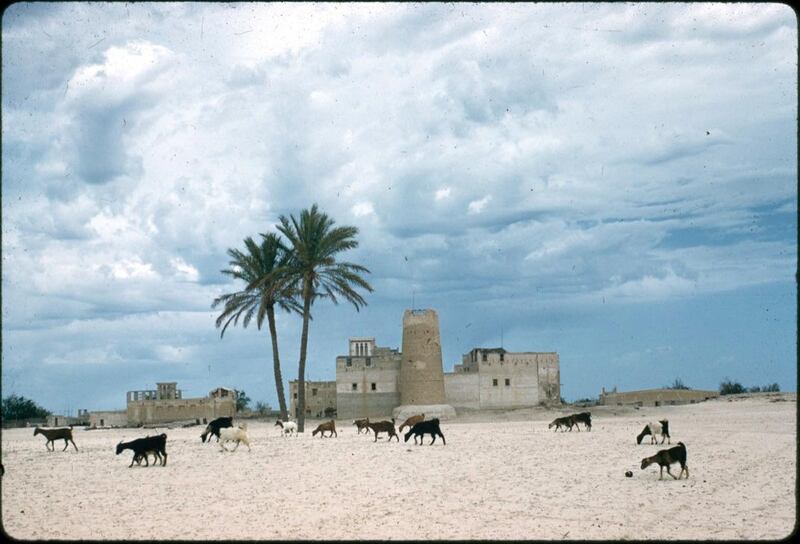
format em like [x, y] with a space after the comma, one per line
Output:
[421, 376]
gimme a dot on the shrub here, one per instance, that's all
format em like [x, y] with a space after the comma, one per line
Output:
[727, 387]
[678, 384]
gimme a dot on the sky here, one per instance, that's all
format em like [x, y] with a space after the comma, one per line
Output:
[615, 182]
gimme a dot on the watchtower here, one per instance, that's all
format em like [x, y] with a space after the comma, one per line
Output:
[421, 375]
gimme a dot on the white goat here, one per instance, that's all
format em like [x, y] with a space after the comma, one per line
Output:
[661, 427]
[289, 427]
[234, 434]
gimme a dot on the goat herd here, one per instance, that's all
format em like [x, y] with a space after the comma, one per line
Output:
[664, 458]
[225, 432]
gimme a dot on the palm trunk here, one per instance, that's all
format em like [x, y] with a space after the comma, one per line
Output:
[301, 371]
[276, 361]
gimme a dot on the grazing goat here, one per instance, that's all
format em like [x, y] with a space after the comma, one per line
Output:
[664, 458]
[234, 434]
[362, 424]
[566, 421]
[215, 425]
[141, 447]
[413, 420]
[422, 428]
[652, 429]
[289, 427]
[384, 427]
[56, 434]
[583, 417]
[327, 426]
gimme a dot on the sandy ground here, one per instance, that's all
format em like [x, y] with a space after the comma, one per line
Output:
[510, 478]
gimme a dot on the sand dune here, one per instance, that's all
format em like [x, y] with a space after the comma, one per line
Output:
[511, 478]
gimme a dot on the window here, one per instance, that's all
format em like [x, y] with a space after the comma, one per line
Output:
[508, 382]
[483, 356]
[494, 382]
[502, 358]
[295, 395]
[369, 361]
[349, 362]
[373, 387]
[314, 391]
[355, 387]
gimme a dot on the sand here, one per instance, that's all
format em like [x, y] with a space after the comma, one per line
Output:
[510, 478]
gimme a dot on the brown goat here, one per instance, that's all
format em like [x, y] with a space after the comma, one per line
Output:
[665, 458]
[362, 424]
[327, 426]
[56, 434]
[384, 427]
[413, 420]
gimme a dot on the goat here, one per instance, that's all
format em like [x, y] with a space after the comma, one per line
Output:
[234, 434]
[413, 420]
[566, 421]
[652, 429]
[362, 424]
[583, 417]
[289, 427]
[215, 425]
[56, 434]
[141, 447]
[327, 426]
[422, 428]
[664, 458]
[384, 427]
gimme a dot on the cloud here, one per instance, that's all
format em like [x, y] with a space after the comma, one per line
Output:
[477, 206]
[521, 156]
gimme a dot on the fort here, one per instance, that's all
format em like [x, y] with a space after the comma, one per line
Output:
[374, 381]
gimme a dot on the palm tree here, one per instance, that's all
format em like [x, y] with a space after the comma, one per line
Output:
[260, 264]
[315, 243]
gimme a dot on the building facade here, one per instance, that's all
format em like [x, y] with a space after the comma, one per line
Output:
[493, 378]
[320, 399]
[367, 380]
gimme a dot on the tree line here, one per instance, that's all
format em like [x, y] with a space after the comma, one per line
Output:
[291, 273]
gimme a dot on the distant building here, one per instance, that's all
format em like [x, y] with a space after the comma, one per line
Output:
[655, 397]
[108, 418]
[320, 399]
[166, 403]
[57, 420]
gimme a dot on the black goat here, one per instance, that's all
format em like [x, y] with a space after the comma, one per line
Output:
[422, 428]
[215, 425]
[143, 446]
[583, 417]
[665, 458]
[384, 427]
[56, 434]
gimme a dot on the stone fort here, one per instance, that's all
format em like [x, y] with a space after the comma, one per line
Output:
[373, 381]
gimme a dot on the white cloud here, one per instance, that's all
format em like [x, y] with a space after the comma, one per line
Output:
[477, 206]
[363, 208]
[443, 193]
[183, 270]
